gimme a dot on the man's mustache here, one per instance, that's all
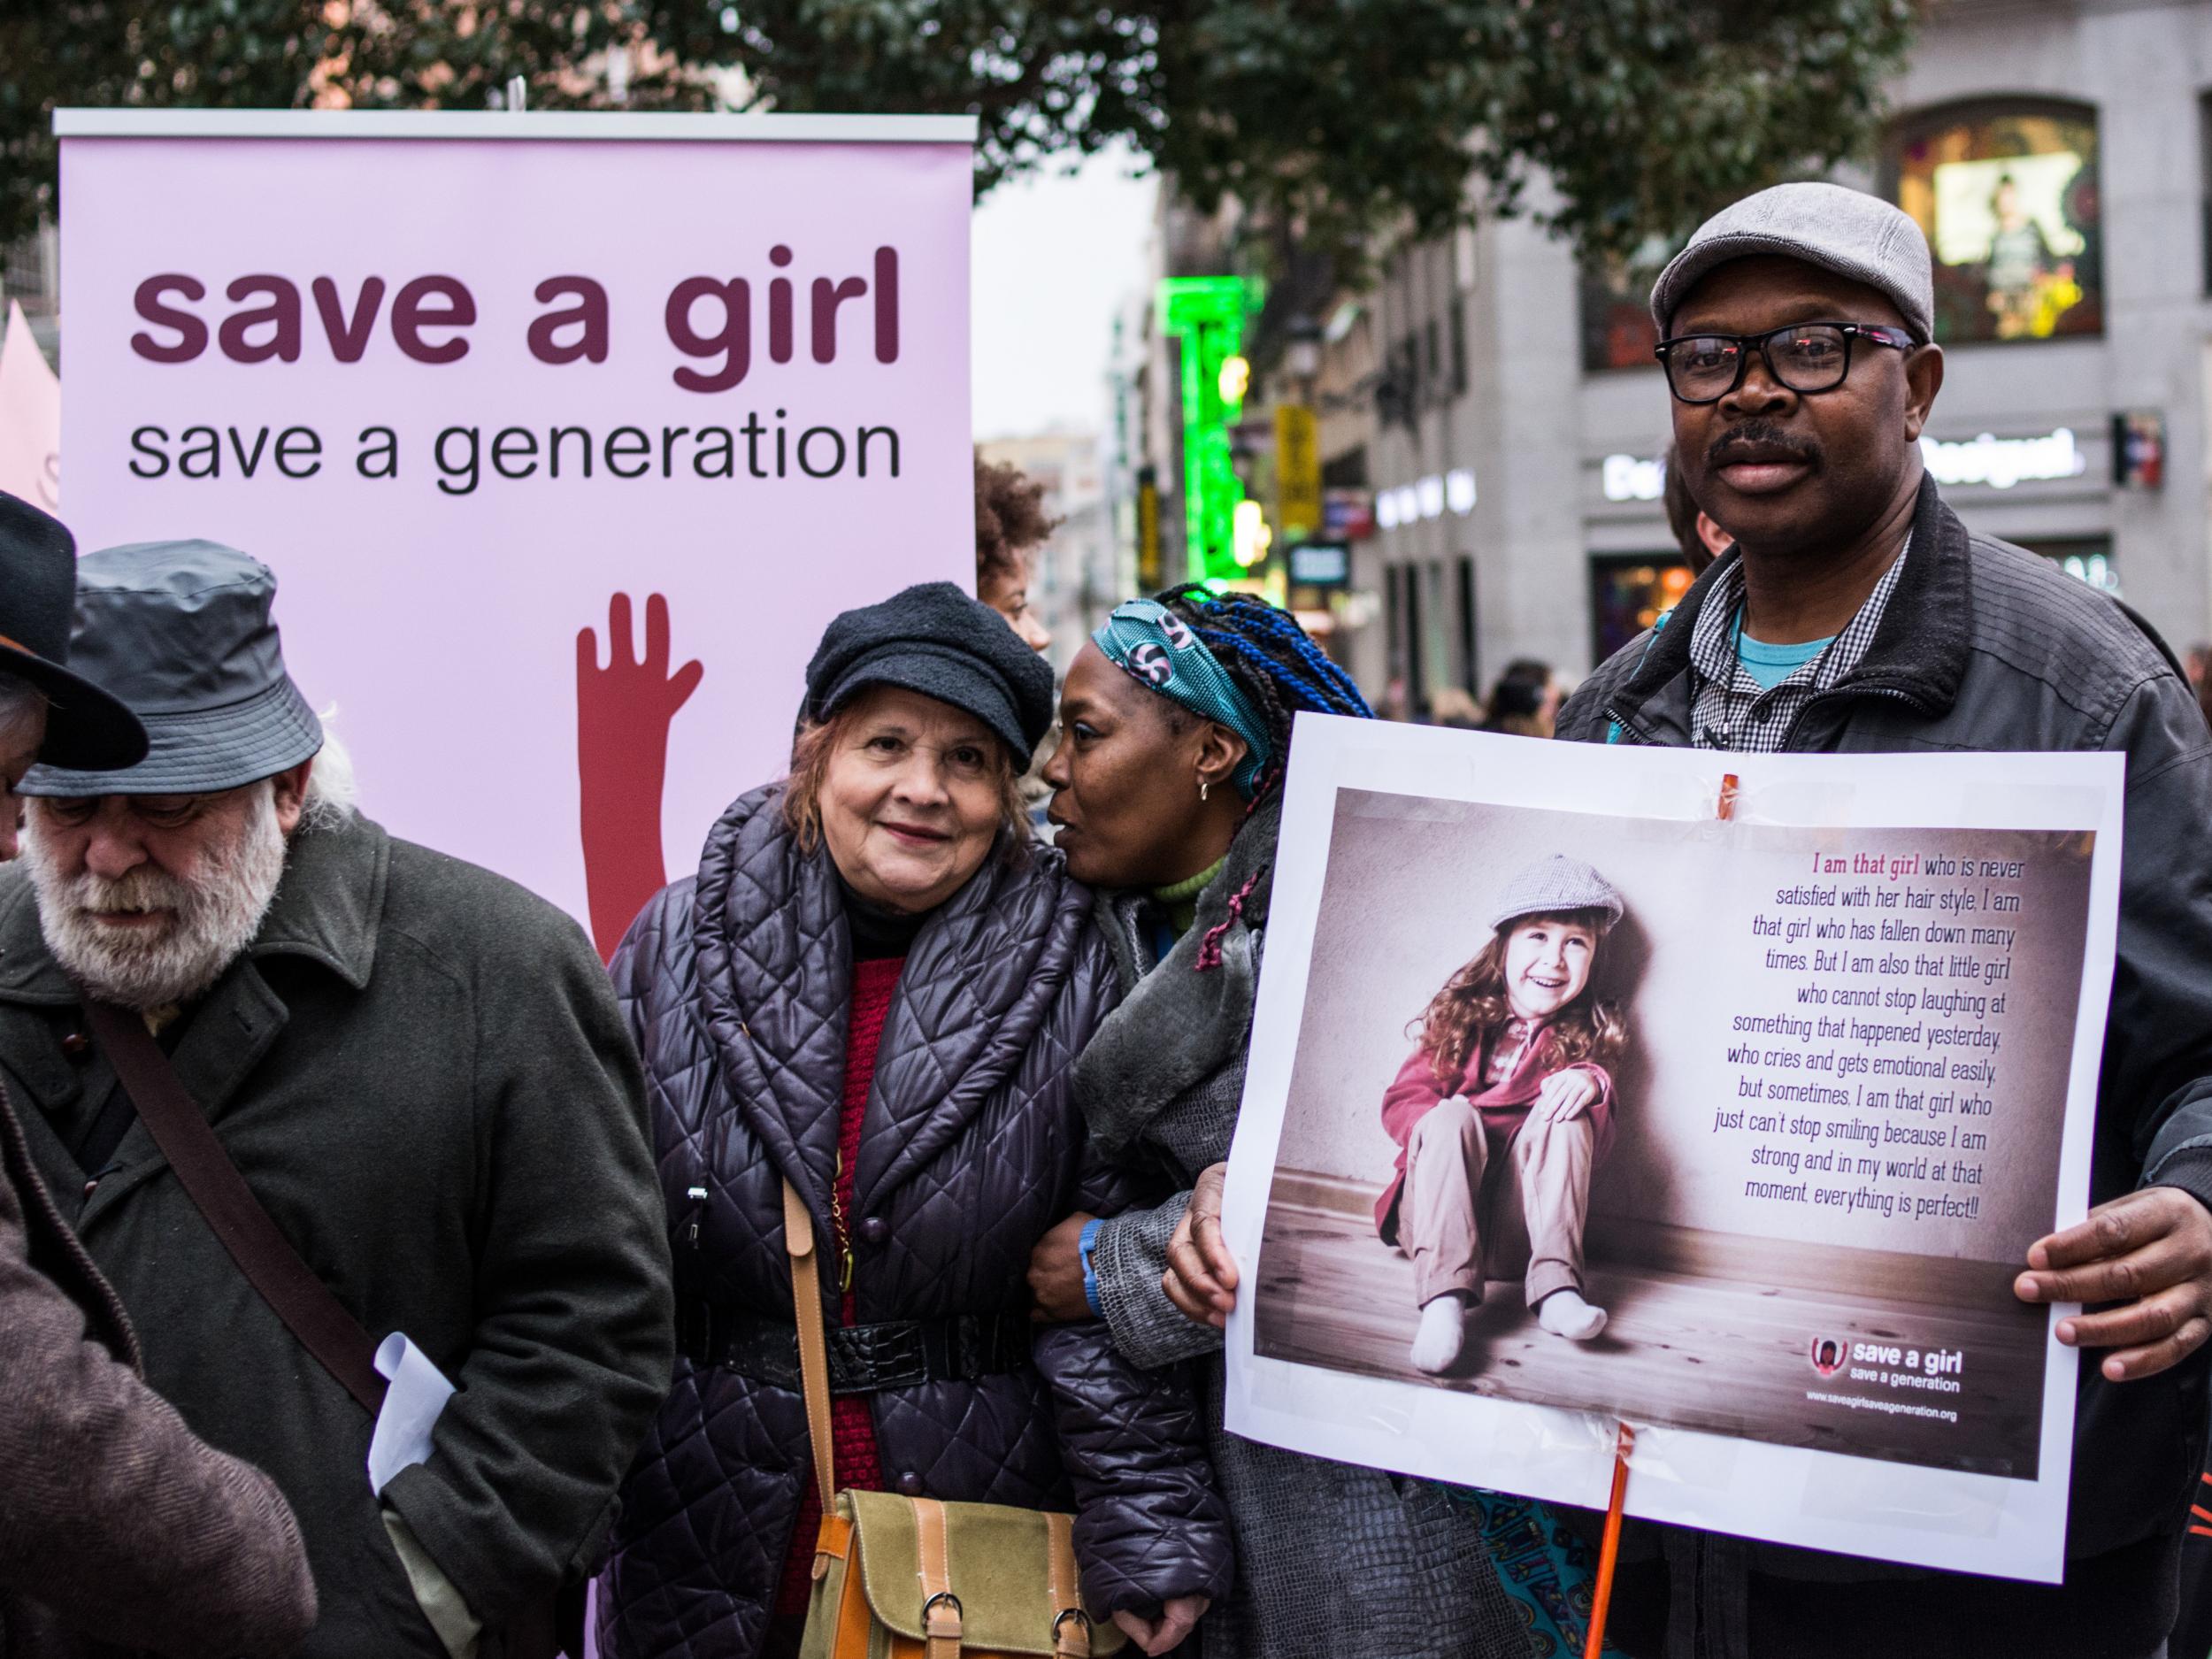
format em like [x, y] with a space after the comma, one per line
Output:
[138, 890]
[1757, 437]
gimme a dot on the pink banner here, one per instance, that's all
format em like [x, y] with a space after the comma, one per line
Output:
[30, 418]
[564, 435]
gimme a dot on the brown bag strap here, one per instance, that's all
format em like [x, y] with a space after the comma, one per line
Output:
[941, 1608]
[806, 1293]
[1070, 1624]
[264, 1255]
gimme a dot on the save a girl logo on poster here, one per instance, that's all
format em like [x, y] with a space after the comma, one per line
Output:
[564, 434]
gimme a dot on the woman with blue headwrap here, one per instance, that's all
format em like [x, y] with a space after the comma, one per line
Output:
[1174, 731]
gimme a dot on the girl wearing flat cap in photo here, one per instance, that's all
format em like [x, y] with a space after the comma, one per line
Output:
[1175, 728]
[874, 989]
[1502, 1111]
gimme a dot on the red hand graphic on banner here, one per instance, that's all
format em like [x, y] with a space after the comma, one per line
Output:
[623, 713]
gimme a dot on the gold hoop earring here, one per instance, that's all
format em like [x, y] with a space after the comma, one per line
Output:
[1202, 789]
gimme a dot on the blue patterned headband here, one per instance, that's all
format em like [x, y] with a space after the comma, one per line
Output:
[1156, 648]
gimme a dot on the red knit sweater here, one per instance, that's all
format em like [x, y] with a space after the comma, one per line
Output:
[852, 1424]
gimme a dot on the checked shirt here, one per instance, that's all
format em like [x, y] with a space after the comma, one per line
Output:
[1730, 711]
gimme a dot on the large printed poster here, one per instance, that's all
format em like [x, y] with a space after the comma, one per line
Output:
[1573, 1103]
[564, 434]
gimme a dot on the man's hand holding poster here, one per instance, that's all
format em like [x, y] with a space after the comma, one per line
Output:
[1571, 1103]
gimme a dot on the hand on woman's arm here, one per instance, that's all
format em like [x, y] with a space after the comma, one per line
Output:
[1055, 1274]
[1128, 1254]
[1178, 1618]
[1201, 1275]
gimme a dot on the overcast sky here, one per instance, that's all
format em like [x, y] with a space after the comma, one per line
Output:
[1056, 254]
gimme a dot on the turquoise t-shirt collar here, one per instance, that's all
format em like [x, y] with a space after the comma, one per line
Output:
[1771, 665]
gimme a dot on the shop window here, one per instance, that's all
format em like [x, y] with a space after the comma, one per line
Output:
[1436, 626]
[2085, 558]
[2204, 178]
[1627, 593]
[2008, 195]
[1402, 598]
[1469, 656]
[1617, 328]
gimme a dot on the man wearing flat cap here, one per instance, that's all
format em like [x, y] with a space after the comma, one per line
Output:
[1855, 613]
[119, 1530]
[420, 1073]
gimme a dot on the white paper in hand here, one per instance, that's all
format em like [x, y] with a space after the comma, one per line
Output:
[418, 1394]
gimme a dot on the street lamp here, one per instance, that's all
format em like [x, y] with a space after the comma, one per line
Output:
[1301, 352]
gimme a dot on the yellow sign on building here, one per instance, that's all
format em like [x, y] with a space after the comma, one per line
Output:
[1297, 472]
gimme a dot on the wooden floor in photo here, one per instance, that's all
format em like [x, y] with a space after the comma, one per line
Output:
[1682, 1350]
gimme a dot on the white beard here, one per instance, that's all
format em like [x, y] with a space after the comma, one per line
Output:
[212, 920]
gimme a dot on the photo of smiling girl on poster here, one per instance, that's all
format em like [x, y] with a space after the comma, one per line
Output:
[1501, 1112]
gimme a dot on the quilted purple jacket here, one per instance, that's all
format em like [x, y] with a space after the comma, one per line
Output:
[736, 985]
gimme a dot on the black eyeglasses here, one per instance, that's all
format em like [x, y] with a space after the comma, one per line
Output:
[1806, 357]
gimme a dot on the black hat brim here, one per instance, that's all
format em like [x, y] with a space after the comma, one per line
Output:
[949, 677]
[86, 727]
[201, 752]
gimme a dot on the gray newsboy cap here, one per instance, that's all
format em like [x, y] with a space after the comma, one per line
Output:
[1848, 232]
[181, 632]
[1556, 886]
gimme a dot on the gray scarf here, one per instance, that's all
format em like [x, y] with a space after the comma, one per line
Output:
[1178, 1026]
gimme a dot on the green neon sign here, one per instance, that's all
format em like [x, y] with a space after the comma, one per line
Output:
[1206, 315]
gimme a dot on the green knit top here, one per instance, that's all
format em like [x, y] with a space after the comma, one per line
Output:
[1178, 902]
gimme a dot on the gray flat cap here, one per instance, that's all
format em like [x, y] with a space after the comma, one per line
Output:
[1848, 232]
[1556, 886]
[181, 632]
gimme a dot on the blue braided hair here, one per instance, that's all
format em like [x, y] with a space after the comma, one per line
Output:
[1276, 665]
[1274, 662]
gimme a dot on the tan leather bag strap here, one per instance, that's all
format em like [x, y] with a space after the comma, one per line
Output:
[806, 1293]
[1070, 1624]
[941, 1608]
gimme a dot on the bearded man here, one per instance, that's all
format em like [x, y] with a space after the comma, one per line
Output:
[421, 1072]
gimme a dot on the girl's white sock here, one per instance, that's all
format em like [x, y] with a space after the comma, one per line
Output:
[1443, 1332]
[1564, 1313]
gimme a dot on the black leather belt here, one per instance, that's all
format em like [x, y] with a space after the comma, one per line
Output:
[863, 1358]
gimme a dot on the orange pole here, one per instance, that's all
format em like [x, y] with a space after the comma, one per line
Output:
[1609, 1551]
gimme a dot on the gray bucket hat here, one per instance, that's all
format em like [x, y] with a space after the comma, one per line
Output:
[181, 632]
[1556, 886]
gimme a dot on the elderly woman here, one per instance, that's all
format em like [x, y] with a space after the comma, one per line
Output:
[874, 989]
[1175, 727]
